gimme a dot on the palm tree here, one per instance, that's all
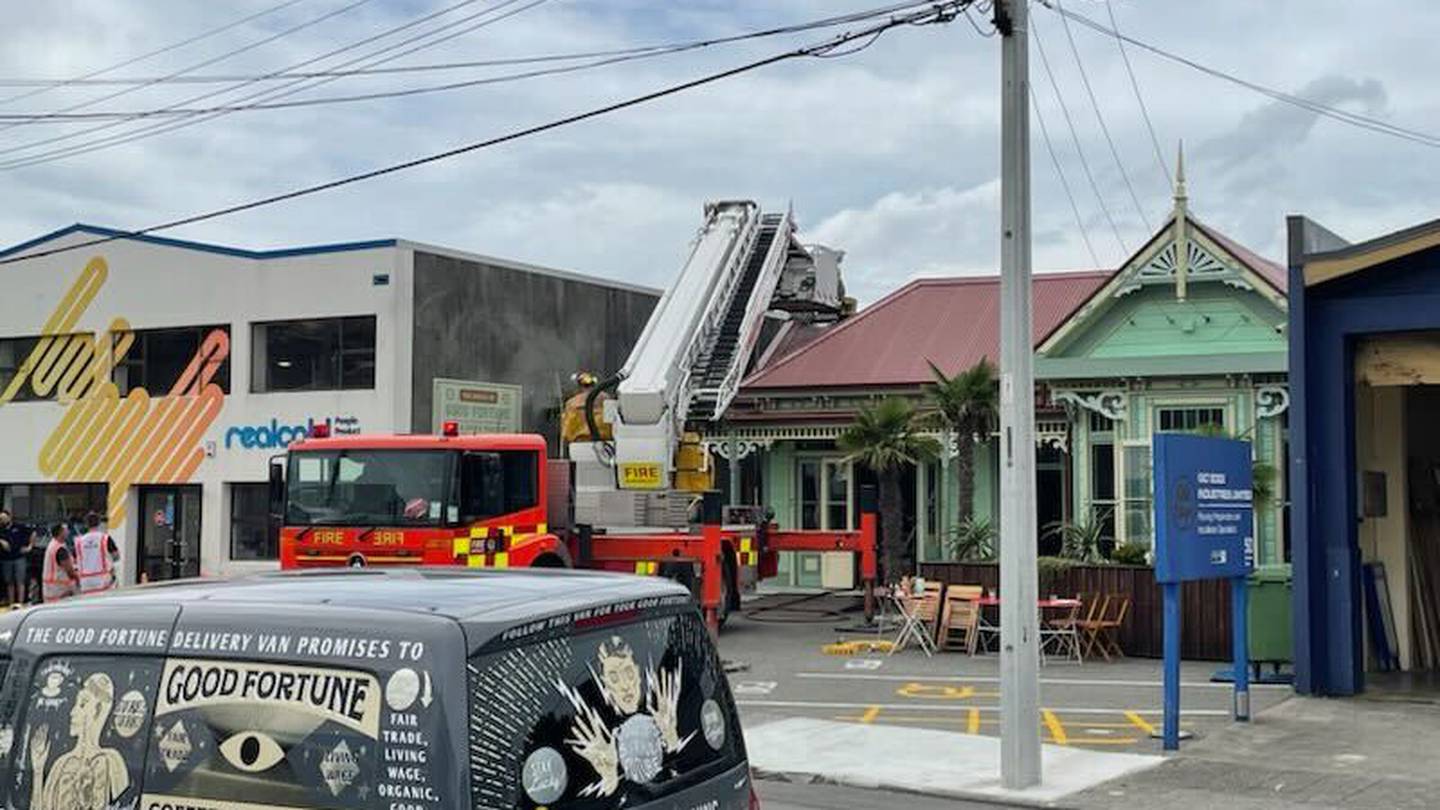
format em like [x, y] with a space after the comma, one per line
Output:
[886, 437]
[967, 404]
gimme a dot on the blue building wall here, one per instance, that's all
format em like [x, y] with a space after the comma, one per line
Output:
[1326, 322]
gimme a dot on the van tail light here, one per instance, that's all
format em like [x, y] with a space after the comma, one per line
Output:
[754, 797]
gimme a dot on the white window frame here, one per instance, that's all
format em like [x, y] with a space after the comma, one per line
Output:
[824, 463]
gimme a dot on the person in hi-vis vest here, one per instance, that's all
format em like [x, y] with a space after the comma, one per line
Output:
[59, 578]
[95, 557]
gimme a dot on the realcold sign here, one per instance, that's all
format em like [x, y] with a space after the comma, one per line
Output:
[1205, 519]
[479, 407]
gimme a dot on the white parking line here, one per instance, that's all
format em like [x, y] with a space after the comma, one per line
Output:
[849, 676]
[950, 707]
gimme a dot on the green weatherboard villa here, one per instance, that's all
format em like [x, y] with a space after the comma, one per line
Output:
[1188, 335]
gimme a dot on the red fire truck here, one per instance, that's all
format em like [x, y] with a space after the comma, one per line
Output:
[496, 501]
[635, 456]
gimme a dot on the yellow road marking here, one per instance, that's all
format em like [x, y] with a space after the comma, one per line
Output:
[1101, 741]
[1057, 729]
[870, 714]
[1141, 723]
[924, 690]
[972, 724]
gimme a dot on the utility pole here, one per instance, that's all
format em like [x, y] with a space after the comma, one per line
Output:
[1019, 620]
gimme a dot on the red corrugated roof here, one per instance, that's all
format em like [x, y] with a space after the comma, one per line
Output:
[951, 321]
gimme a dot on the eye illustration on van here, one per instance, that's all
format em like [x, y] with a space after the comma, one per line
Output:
[634, 749]
[252, 751]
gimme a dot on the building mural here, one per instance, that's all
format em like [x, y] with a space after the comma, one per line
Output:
[139, 438]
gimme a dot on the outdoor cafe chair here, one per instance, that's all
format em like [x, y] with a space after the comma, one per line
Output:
[917, 618]
[1060, 636]
[959, 623]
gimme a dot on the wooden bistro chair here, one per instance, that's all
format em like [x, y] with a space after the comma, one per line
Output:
[919, 615]
[1089, 626]
[960, 620]
[1060, 636]
[1101, 633]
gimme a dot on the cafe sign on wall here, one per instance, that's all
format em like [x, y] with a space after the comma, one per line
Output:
[479, 407]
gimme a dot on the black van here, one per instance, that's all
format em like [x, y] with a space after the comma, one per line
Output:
[397, 689]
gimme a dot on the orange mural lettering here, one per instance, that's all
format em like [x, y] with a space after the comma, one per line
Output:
[140, 439]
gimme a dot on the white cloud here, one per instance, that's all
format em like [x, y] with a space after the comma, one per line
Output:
[890, 154]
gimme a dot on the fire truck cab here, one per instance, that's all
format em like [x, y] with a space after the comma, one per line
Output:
[478, 501]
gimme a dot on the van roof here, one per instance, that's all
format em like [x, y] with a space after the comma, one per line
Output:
[458, 593]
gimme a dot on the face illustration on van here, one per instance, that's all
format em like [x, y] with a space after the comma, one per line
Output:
[635, 748]
[88, 776]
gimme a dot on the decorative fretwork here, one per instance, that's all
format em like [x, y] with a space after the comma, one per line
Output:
[1271, 400]
[735, 449]
[1053, 433]
[1109, 404]
[1165, 262]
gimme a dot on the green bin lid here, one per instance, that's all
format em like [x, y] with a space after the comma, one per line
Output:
[1271, 573]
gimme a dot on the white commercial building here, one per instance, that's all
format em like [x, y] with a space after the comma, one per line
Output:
[152, 380]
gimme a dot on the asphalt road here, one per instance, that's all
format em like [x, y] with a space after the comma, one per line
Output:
[785, 796]
[1098, 705]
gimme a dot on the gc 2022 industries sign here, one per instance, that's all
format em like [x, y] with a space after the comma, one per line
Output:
[1204, 508]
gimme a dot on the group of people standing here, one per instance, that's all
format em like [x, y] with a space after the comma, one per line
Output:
[57, 564]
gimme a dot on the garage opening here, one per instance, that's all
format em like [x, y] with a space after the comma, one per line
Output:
[1397, 437]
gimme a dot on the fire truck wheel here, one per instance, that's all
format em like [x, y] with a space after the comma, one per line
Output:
[549, 561]
[356, 561]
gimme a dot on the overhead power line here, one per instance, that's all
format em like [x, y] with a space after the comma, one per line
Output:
[1344, 116]
[221, 78]
[607, 58]
[1139, 98]
[1075, 137]
[1100, 119]
[938, 12]
[249, 46]
[1065, 184]
[46, 85]
[162, 127]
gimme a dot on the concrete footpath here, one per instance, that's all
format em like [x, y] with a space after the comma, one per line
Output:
[1306, 752]
[934, 763]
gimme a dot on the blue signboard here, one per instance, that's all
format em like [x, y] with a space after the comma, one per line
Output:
[1203, 508]
[1204, 529]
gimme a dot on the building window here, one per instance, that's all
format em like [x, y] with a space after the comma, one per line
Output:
[47, 504]
[324, 354]
[809, 471]
[1102, 477]
[1191, 419]
[158, 358]
[15, 351]
[1138, 494]
[253, 535]
[837, 495]
[1100, 423]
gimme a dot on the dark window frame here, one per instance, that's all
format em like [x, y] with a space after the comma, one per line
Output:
[26, 393]
[1189, 418]
[344, 349]
[137, 357]
[271, 549]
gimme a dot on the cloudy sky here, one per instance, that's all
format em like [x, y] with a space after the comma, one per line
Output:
[890, 154]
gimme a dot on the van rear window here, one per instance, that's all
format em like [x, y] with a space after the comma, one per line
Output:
[87, 723]
[595, 717]
[122, 732]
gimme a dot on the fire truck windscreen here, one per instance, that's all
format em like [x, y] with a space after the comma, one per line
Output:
[369, 487]
[407, 487]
